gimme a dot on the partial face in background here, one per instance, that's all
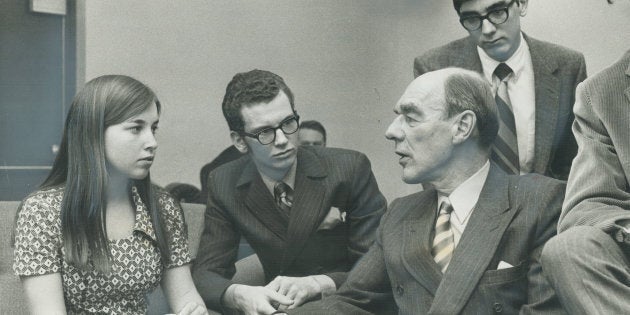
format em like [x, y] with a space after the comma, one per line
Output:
[130, 146]
[276, 158]
[499, 41]
[310, 137]
[420, 131]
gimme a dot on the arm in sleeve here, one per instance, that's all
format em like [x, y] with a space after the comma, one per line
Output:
[566, 147]
[541, 297]
[366, 291]
[177, 231]
[597, 189]
[367, 205]
[37, 256]
[218, 249]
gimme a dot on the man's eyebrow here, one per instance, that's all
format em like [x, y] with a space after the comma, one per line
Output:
[261, 128]
[407, 107]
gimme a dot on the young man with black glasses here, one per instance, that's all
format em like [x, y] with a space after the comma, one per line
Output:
[534, 84]
[308, 213]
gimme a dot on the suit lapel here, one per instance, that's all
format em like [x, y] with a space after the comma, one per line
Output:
[546, 85]
[309, 195]
[259, 201]
[417, 231]
[477, 246]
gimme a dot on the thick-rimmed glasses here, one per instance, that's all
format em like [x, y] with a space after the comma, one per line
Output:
[268, 135]
[495, 16]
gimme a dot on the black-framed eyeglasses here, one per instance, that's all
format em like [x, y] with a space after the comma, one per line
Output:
[268, 135]
[495, 16]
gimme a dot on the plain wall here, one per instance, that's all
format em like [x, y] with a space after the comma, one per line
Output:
[346, 61]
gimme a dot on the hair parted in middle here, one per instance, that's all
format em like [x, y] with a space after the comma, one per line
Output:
[81, 169]
[247, 88]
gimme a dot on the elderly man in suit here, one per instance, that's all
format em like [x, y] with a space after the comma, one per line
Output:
[589, 261]
[308, 212]
[534, 81]
[471, 243]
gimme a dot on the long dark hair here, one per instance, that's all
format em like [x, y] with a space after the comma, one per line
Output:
[80, 167]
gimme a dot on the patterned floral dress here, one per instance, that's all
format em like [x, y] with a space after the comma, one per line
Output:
[137, 266]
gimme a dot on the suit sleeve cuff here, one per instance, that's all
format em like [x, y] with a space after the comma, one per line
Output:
[337, 277]
[326, 284]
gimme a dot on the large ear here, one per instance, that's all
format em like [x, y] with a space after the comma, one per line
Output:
[238, 141]
[523, 7]
[464, 126]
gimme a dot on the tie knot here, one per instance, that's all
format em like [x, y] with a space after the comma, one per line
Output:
[502, 71]
[446, 207]
[280, 188]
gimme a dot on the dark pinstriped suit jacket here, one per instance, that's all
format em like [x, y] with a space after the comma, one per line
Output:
[239, 203]
[511, 222]
[557, 72]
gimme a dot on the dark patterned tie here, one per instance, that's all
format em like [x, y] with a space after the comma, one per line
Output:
[284, 197]
[505, 148]
[443, 242]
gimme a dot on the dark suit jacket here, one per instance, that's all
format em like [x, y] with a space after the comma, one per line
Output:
[511, 222]
[557, 72]
[239, 203]
[598, 193]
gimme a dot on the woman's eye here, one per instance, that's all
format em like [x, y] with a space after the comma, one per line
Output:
[136, 129]
[154, 129]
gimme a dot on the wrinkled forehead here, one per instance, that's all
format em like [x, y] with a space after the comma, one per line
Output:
[425, 91]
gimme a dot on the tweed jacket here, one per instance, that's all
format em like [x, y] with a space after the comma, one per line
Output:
[511, 222]
[598, 193]
[239, 204]
[557, 72]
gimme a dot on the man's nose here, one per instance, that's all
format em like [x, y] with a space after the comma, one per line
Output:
[487, 27]
[281, 138]
[394, 131]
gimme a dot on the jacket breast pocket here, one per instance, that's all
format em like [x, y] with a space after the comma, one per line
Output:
[499, 276]
[505, 288]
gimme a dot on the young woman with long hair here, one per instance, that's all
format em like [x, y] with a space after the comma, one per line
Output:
[98, 236]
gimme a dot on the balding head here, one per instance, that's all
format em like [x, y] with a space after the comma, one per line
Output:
[446, 122]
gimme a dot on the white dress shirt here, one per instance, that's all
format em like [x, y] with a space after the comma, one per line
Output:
[521, 91]
[463, 199]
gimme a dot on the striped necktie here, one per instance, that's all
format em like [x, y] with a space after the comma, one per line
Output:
[283, 195]
[443, 242]
[505, 148]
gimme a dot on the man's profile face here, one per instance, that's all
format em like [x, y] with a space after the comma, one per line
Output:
[276, 158]
[311, 137]
[422, 134]
[498, 41]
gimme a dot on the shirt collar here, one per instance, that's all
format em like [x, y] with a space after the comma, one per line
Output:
[143, 221]
[516, 62]
[465, 196]
[288, 179]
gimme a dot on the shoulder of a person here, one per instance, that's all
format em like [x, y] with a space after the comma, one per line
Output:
[615, 73]
[537, 184]
[337, 156]
[229, 169]
[400, 207]
[452, 48]
[48, 196]
[562, 54]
